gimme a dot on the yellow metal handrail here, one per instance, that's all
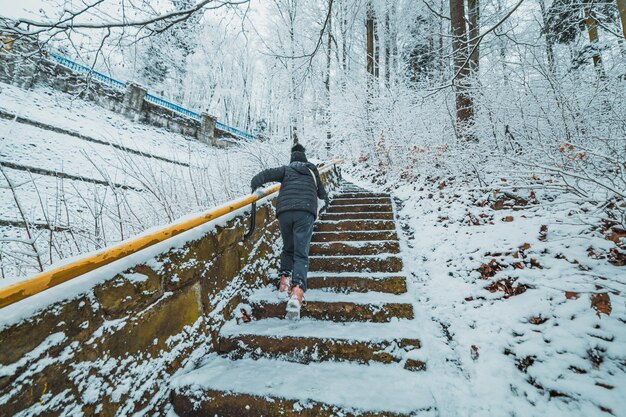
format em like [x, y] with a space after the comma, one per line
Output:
[48, 279]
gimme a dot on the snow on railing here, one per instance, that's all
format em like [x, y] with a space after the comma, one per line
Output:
[74, 66]
[236, 132]
[90, 262]
[159, 101]
[174, 107]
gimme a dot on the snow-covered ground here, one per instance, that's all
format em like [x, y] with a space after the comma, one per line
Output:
[523, 308]
[87, 215]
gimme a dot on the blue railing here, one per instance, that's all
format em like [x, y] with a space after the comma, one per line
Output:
[174, 107]
[159, 101]
[232, 130]
[74, 66]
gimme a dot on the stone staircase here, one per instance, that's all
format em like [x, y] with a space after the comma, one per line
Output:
[354, 352]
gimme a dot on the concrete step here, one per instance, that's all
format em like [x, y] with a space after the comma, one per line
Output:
[346, 225]
[317, 341]
[338, 201]
[339, 307]
[365, 263]
[354, 248]
[273, 388]
[388, 215]
[354, 236]
[359, 208]
[392, 284]
[362, 195]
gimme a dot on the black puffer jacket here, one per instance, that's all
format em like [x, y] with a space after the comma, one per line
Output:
[298, 190]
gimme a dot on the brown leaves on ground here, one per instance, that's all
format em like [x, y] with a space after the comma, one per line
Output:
[482, 218]
[617, 235]
[601, 303]
[571, 295]
[617, 257]
[490, 269]
[507, 286]
[507, 219]
[507, 200]
[543, 232]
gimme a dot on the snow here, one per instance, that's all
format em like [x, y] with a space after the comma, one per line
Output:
[269, 295]
[50, 341]
[74, 288]
[351, 386]
[87, 216]
[358, 331]
[539, 352]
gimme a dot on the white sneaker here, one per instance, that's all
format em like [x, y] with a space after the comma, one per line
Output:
[294, 304]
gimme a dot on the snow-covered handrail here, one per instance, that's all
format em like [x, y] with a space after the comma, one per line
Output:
[118, 85]
[234, 131]
[174, 107]
[48, 279]
[76, 67]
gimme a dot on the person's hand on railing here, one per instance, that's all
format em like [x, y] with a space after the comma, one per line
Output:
[258, 191]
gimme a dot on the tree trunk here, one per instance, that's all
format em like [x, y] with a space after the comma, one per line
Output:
[327, 81]
[394, 41]
[387, 46]
[343, 21]
[592, 30]
[464, 102]
[376, 46]
[293, 122]
[549, 38]
[473, 11]
[370, 39]
[621, 6]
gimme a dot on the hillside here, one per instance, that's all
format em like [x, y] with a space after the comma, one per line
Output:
[86, 178]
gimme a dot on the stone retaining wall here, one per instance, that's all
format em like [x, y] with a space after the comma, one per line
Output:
[112, 350]
[23, 64]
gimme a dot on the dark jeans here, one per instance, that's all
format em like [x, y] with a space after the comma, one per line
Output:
[296, 228]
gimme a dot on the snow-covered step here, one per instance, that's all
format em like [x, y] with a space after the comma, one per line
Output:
[269, 388]
[340, 307]
[362, 194]
[355, 282]
[316, 341]
[354, 248]
[347, 225]
[339, 201]
[364, 263]
[359, 208]
[383, 215]
[354, 235]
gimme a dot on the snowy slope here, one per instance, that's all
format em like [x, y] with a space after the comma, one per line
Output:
[164, 176]
[526, 306]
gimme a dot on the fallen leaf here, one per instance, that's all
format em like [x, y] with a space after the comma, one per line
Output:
[601, 302]
[507, 219]
[617, 257]
[571, 295]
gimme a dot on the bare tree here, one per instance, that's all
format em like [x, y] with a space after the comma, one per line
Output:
[473, 12]
[464, 102]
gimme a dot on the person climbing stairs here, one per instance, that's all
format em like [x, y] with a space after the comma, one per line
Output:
[356, 349]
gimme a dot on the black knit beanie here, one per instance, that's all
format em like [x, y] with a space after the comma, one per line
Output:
[297, 153]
